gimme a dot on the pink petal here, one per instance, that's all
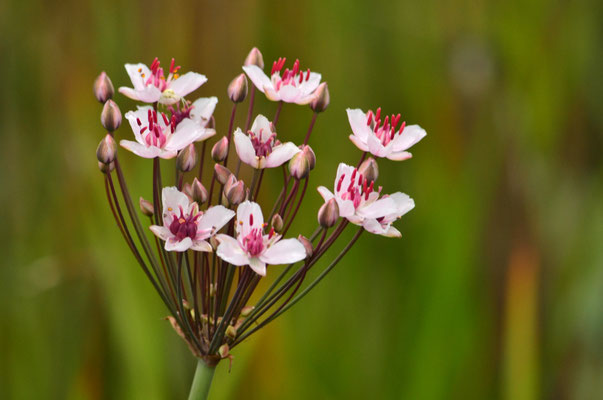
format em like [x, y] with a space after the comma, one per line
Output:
[375, 146]
[311, 84]
[281, 154]
[139, 149]
[135, 71]
[187, 83]
[271, 94]
[161, 232]
[411, 135]
[285, 251]
[359, 143]
[172, 200]
[258, 266]
[230, 251]
[244, 210]
[203, 108]
[245, 149]
[357, 120]
[215, 218]
[325, 193]
[290, 94]
[178, 245]
[258, 77]
[399, 156]
[261, 127]
[201, 245]
[186, 133]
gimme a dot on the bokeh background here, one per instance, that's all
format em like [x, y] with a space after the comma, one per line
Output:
[495, 290]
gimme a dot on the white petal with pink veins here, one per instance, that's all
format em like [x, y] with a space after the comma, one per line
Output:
[258, 266]
[357, 119]
[258, 77]
[161, 232]
[174, 244]
[203, 108]
[230, 251]
[201, 245]
[281, 154]
[187, 83]
[411, 135]
[285, 251]
[245, 149]
[139, 149]
[215, 218]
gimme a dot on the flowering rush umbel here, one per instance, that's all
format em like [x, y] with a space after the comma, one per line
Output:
[206, 239]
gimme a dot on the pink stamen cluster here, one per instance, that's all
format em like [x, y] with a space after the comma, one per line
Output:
[290, 76]
[254, 241]
[153, 133]
[185, 225]
[157, 77]
[358, 190]
[386, 131]
[262, 149]
[180, 112]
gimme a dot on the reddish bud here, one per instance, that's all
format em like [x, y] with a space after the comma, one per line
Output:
[111, 116]
[299, 165]
[307, 150]
[198, 192]
[369, 170]
[222, 173]
[328, 214]
[187, 158]
[106, 150]
[255, 58]
[237, 89]
[277, 223]
[146, 207]
[220, 150]
[307, 245]
[321, 98]
[103, 88]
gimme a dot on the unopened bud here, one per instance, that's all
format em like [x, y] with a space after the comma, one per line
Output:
[246, 311]
[103, 88]
[328, 214]
[111, 116]
[187, 158]
[321, 98]
[237, 89]
[369, 170]
[106, 150]
[299, 166]
[231, 332]
[222, 173]
[224, 351]
[187, 189]
[235, 194]
[277, 223]
[106, 168]
[198, 192]
[307, 245]
[146, 207]
[307, 150]
[255, 58]
[220, 150]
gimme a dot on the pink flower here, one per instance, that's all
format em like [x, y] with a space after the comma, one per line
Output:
[382, 138]
[361, 205]
[158, 136]
[252, 247]
[184, 226]
[260, 149]
[294, 86]
[150, 85]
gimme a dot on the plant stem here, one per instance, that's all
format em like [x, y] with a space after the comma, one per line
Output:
[202, 381]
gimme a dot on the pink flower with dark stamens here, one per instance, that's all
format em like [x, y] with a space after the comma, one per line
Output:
[291, 85]
[200, 112]
[158, 136]
[383, 137]
[260, 148]
[151, 85]
[184, 226]
[359, 202]
[254, 248]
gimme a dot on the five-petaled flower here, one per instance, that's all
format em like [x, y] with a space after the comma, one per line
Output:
[260, 149]
[360, 204]
[158, 136]
[254, 248]
[382, 138]
[184, 226]
[151, 85]
[293, 86]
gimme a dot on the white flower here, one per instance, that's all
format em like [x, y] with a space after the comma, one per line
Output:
[159, 136]
[360, 204]
[260, 149]
[383, 139]
[184, 226]
[150, 85]
[294, 86]
[252, 247]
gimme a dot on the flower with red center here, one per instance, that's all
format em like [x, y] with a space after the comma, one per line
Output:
[359, 202]
[254, 248]
[260, 148]
[151, 85]
[200, 111]
[292, 86]
[383, 138]
[184, 226]
[159, 136]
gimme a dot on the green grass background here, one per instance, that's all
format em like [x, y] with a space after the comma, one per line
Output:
[495, 290]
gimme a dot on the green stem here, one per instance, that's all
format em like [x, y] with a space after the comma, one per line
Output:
[202, 381]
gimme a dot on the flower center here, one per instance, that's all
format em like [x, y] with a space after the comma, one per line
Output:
[180, 112]
[293, 76]
[262, 148]
[254, 242]
[358, 190]
[157, 77]
[387, 131]
[152, 133]
[185, 225]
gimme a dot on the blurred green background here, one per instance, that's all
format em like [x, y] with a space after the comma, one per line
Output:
[495, 290]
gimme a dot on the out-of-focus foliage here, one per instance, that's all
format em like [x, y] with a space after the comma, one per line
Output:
[495, 290]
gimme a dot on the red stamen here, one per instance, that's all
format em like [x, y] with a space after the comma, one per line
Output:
[402, 127]
[378, 115]
[251, 219]
[369, 118]
[340, 182]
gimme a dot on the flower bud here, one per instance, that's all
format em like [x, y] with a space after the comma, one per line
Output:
[237, 89]
[220, 150]
[246, 311]
[299, 166]
[187, 189]
[307, 150]
[224, 351]
[111, 116]
[277, 223]
[106, 150]
[255, 58]
[222, 173]
[146, 207]
[106, 168]
[187, 158]
[307, 245]
[369, 170]
[231, 332]
[328, 214]
[103, 88]
[321, 98]
[198, 192]
[235, 193]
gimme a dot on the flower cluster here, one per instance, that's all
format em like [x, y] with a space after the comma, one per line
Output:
[213, 239]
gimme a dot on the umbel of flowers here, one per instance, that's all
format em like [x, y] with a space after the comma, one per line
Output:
[204, 240]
